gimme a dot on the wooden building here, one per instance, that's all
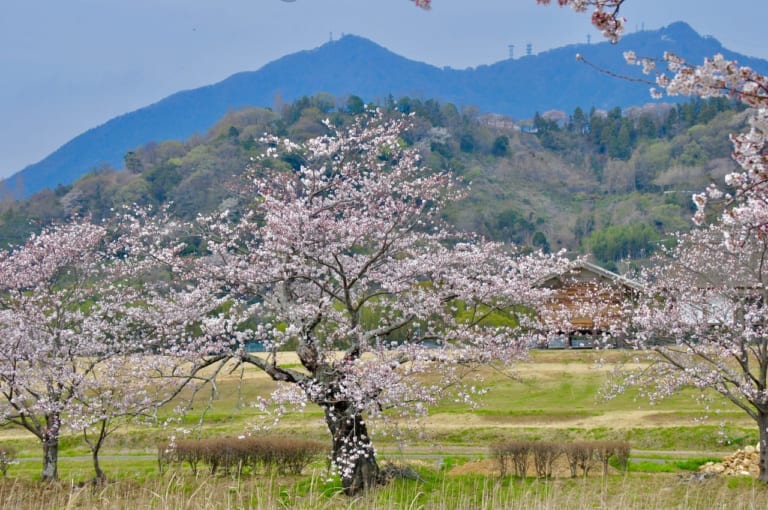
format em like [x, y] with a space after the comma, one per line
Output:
[588, 304]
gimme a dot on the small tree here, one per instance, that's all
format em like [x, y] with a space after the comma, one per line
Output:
[346, 262]
[125, 387]
[74, 328]
[53, 331]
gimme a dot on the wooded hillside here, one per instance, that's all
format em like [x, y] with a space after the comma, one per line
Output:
[610, 183]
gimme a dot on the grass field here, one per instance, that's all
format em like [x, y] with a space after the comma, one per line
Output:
[554, 397]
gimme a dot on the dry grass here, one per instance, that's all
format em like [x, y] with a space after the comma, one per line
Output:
[469, 491]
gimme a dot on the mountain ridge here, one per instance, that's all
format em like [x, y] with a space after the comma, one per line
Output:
[516, 87]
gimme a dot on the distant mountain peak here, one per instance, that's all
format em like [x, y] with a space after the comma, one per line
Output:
[682, 31]
[354, 65]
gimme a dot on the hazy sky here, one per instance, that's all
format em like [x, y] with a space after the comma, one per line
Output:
[69, 65]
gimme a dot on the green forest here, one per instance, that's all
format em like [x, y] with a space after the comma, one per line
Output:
[611, 183]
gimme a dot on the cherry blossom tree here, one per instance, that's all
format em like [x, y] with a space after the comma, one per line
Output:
[53, 332]
[75, 322]
[706, 297]
[703, 319]
[122, 387]
[701, 323]
[345, 261]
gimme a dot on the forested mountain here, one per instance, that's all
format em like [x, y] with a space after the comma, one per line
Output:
[353, 66]
[612, 183]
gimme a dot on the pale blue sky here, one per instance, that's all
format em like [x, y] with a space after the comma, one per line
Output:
[69, 65]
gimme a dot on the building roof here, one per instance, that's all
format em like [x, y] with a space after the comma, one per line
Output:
[600, 272]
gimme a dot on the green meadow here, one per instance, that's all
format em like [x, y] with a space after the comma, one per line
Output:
[552, 397]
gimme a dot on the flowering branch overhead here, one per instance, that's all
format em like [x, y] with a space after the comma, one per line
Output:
[605, 16]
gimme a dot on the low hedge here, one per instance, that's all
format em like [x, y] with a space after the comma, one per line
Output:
[284, 455]
[581, 456]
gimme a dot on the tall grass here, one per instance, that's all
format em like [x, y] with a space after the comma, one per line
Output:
[435, 490]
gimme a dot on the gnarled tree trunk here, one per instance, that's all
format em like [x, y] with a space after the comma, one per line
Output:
[353, 452]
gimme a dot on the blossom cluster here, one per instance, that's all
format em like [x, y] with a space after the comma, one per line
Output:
[605, 16]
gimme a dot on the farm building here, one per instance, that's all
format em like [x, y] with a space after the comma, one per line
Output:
[589, 304]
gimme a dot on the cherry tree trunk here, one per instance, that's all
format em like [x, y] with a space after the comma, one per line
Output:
[51, 460]
[353, 452]
[762, 424]
[100, 477]
[50, 441]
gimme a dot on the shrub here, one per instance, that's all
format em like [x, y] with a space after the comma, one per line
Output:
[544, 456]
[514, 454]
[285, 455]
[620, 455]
[580, 455]
[7, 457]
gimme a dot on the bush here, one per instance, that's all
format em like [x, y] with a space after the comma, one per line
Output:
[544, 456]
[285, 455]
[7, 457]
[512, 454]
[581, 456]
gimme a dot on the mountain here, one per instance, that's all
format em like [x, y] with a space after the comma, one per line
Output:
[355, 66]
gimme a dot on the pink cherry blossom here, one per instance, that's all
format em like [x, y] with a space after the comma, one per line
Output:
[701, 323]
[347, 261]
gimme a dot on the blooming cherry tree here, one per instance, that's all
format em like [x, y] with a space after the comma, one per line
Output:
[706, 300]
[77, 329]
[702, 323]
[56, 327]
[345, 261]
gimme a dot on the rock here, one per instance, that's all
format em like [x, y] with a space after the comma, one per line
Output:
[744, 462]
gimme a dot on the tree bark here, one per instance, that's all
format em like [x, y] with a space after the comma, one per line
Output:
[99, 476]
[51, 448]
[353, 452]
[95, 447]
[762, 424]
